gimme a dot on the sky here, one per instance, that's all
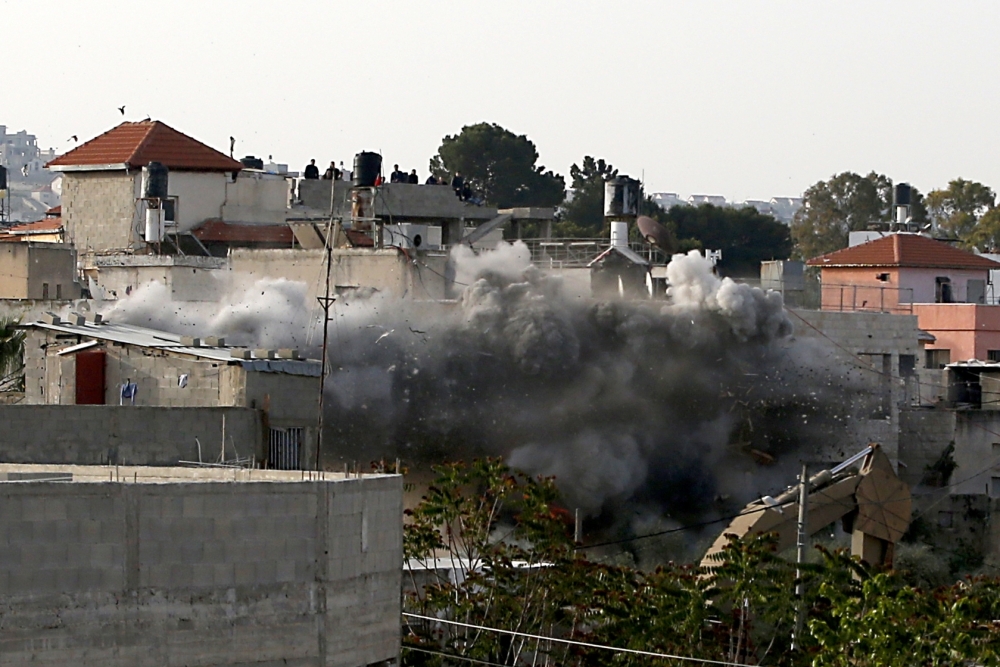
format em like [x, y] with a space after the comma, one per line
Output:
[747, 99]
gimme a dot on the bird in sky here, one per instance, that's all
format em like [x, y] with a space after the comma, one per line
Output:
[232, 145]
[73, 138]
[122, 109]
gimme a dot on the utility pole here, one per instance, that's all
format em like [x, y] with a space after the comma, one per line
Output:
[800, 558]
[326, 301]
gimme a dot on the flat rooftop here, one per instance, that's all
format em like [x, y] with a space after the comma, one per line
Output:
[20, 473]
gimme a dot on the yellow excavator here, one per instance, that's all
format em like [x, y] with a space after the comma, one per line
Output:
[863, 490]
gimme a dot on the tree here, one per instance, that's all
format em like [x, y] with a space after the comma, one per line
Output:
[584, 214]
[745, 236]
[957, 209]
[11, 356]
[848, 202]
[500, 165]
[986, 234]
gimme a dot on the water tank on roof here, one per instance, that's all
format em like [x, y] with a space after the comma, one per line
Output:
[251, 162]
[155, 178]
[621, 197]
[903, 192]
[367, 167]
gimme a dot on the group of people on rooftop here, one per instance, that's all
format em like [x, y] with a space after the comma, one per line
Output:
[341, 173]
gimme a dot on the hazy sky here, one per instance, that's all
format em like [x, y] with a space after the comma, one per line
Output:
[745, 99]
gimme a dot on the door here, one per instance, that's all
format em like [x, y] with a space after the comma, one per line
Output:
[90, 377]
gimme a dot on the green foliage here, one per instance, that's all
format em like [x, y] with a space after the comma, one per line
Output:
[958, 208]
[745, 236]
[500, 165]
[509, 543]
[848, 202]
[584, 215]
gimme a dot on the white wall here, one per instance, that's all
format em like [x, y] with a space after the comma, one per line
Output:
[200, 196]
[256, 198]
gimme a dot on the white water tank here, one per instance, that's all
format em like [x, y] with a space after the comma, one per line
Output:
[154, 225]
[619, 234]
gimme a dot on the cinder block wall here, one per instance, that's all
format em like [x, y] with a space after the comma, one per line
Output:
[99, 210]
[256, 573]
[96, 434]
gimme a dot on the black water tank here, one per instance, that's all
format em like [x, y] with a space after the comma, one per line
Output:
[367, 167]
[156, 181]
[903, 194]
[251, 162]
[3, 177]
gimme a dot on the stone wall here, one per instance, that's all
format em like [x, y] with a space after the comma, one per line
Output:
[203, 572]
[99, 210]
[96, 434]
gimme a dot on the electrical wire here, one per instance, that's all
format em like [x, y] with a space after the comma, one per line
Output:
[572, 642]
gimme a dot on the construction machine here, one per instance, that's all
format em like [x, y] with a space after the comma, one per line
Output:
[864, 491]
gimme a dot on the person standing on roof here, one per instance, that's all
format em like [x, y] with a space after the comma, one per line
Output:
[414, 179]
[331, 173]
[312, 171]
[345, 173]
[431, 180]
[397, 176]
[457, 184]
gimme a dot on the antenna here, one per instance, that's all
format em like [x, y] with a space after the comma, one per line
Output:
[325, 302]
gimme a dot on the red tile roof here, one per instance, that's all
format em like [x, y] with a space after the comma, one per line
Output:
[904, 251]
[138, 144]
[227, 232]
[54, 211]
[45, 226]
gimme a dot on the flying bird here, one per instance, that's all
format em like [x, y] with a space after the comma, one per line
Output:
[232, 145]
[73, 138]
[122, 109]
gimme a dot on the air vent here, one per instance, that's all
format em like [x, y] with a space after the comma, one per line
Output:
[263, 354]
[286, 353]
[190, 341]
[215, 341]
[240, 353]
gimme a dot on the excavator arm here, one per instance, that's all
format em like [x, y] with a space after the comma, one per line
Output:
[864, 490]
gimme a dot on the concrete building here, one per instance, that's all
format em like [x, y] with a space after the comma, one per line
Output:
[116, 566]
[907, 273]
[83, 362]
[102, 210]
[38, 271]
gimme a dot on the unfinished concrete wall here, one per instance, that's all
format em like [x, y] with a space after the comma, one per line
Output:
[870, 346]
[387, 270]
[95, 434]
[30, 271]
[200, 572]
[99, 210]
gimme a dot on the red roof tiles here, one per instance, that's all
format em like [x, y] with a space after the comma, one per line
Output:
[137, 144]
[905, 251]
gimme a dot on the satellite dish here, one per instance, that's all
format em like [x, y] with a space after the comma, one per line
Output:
[655, 233]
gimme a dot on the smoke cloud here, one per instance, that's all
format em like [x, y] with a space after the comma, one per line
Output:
[645, 411]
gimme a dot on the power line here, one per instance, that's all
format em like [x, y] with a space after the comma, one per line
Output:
[572, 642]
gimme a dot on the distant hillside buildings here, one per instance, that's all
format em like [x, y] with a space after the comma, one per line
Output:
[782, 208]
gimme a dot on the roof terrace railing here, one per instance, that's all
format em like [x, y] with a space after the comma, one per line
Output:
[867, 298]
[574, 253]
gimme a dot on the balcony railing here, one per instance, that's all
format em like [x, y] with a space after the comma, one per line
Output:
[867, 298]
[575, 253]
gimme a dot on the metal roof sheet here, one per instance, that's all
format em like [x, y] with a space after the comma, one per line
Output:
[127, 334]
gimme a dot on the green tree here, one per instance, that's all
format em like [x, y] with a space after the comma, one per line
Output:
[745, 236]
[957, 209]
[500, 165]
[848, 202]
[583, 215]
[986, 234]
[11, 356]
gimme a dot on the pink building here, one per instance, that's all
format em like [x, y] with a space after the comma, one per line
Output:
[907, 273]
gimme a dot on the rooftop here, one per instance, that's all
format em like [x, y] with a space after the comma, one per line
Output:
[36, 473]
[904, 250]
[127, 334]
[134, 145]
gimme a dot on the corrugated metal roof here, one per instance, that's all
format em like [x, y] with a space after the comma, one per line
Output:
[135, 145]
[904, 251]
[127, 334]
[625, 251]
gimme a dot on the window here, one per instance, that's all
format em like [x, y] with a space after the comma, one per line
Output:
[283, 448]
[942, 290]
[937, 359]
[45, 290]
[882, 277]
[995, 487]
[907, 365]
[58, 291]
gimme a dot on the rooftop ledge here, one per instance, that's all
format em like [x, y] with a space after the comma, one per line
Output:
[21, 473]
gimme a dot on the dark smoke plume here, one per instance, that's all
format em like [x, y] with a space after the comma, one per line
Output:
[647, 412]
